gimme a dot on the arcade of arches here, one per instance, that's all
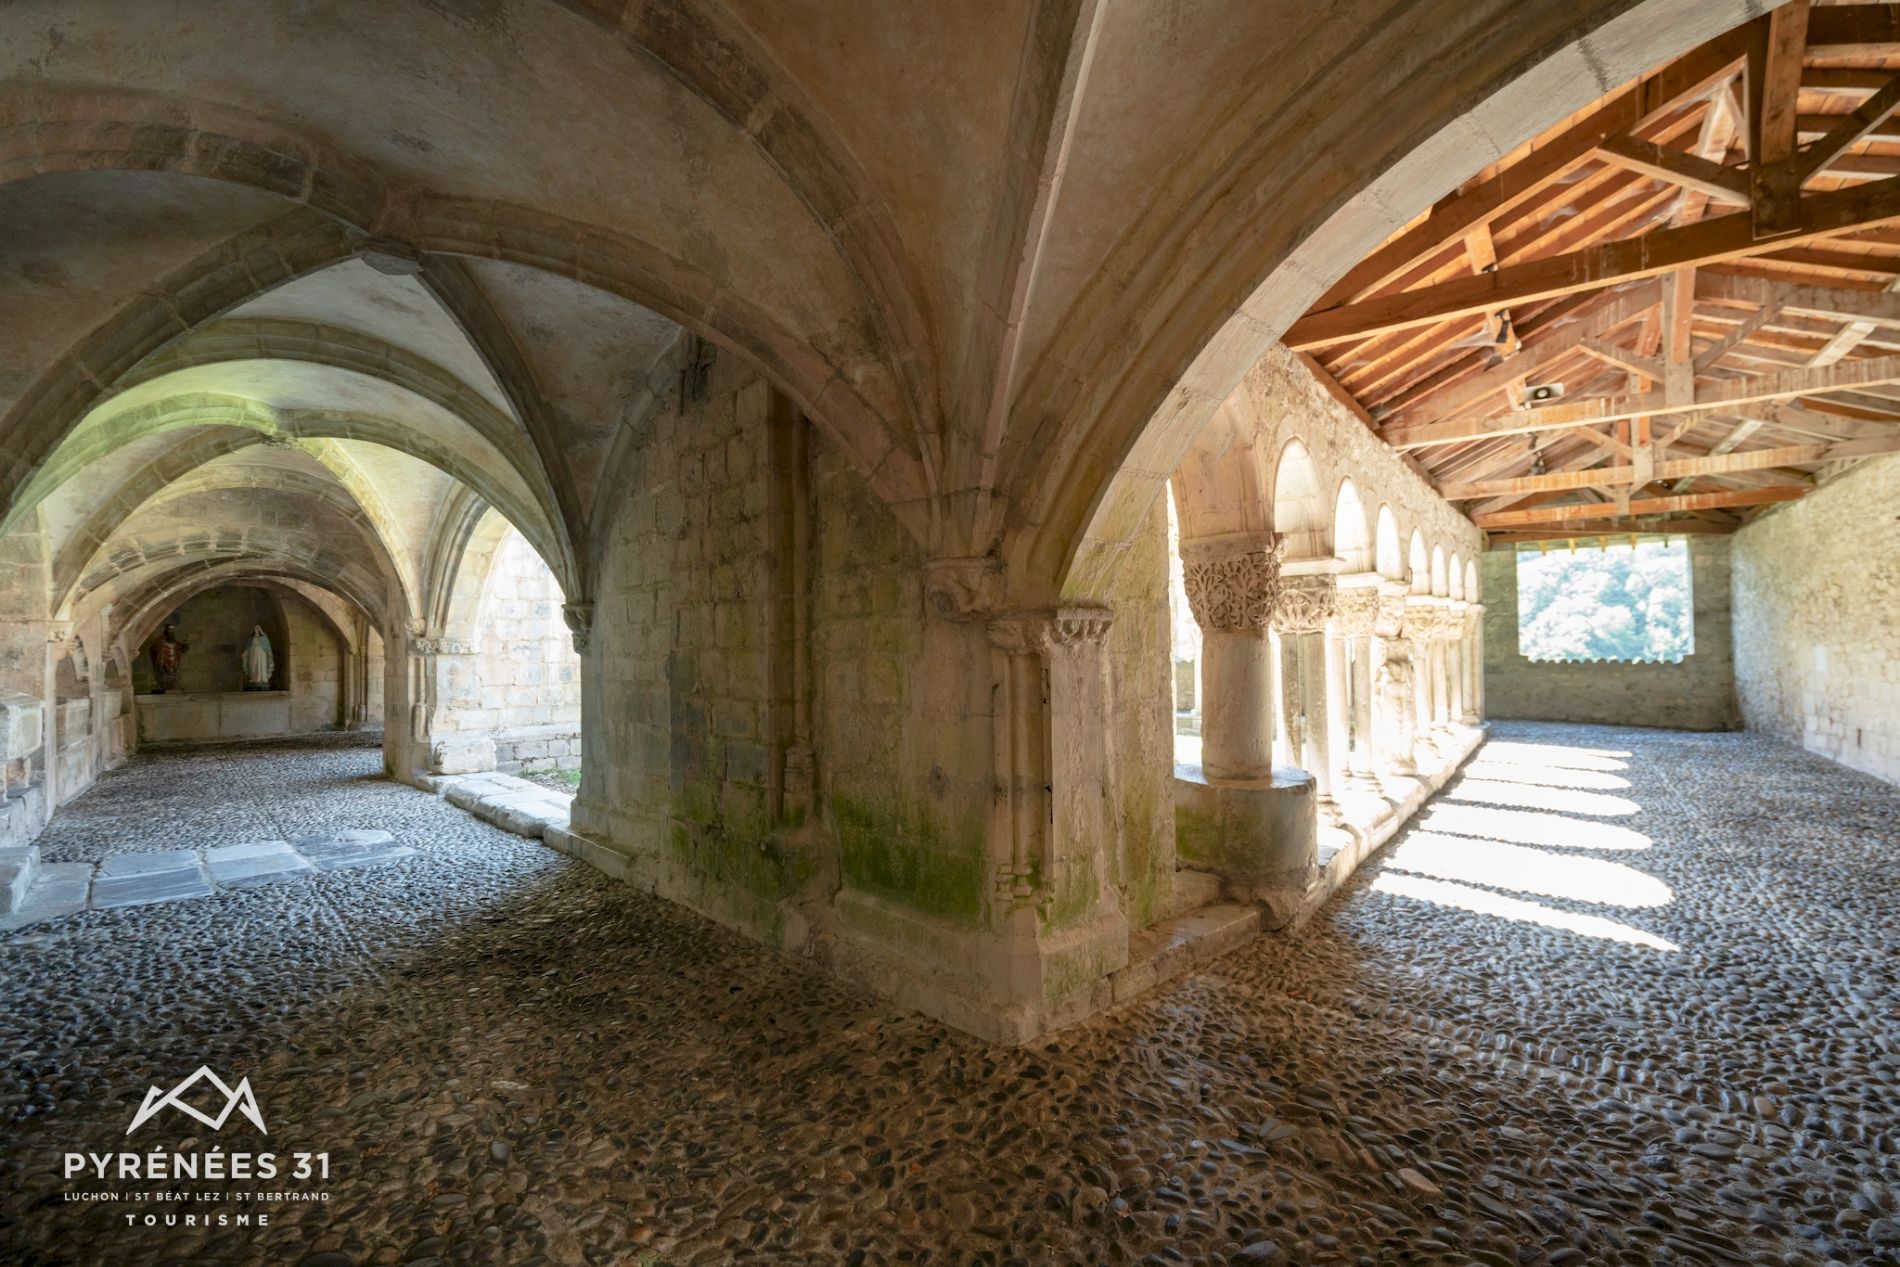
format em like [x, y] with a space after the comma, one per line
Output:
[1003, 501]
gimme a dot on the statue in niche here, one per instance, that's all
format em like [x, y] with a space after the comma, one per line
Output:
[166, 654]
[258, 661]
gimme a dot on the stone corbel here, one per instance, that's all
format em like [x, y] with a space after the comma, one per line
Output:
[1233, 582]
[580, 623]
[962, 588]
[444, 646]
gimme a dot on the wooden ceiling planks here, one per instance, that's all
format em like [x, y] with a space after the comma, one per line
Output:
[1666, 313]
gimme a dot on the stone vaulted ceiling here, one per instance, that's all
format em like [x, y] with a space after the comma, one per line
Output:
[369, 260]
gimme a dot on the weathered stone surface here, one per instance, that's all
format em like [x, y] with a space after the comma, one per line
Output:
[1817, 601]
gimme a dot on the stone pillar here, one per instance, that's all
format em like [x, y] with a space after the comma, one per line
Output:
[442, 680]
[1473, 647]
[1051, 900]
[1300, 617]
[1355, 616]
[1232, 583]
[1394, 713]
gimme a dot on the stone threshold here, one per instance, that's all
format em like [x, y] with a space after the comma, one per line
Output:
[512, 804]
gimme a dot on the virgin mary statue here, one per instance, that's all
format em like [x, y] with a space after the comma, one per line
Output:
[259, 663]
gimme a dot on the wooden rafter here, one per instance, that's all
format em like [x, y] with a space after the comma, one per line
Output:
[1640, 506]
[1678, 469]
[1689, 286]
[1730, 237]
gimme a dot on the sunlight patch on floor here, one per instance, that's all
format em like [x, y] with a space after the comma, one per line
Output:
[1484, 902]
[1530, 796]
[1545, 754]
[1529, 827]
[1545, 775]
[1529, 870]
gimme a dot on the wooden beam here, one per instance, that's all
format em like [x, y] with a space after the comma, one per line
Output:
[1623, 358]
[1774, 81]
[1641, 506]
[1832, 26]
[1851, 130]
[1678, 469]
[1540, 348]
[1708, 241]
[1837, 303]
[1745, 328]
[1723, 396]
[1687, 527]
[1508, 188]
[1691, 171]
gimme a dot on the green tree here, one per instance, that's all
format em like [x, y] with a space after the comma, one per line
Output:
[1619, 603]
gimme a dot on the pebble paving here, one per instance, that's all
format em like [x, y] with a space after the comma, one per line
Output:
[1618, 997]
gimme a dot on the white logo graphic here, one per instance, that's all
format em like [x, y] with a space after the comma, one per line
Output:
[239, 1098]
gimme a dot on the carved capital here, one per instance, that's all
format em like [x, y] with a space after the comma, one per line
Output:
[1306, 603]
[1233, 585]
[962, 588]
[1041, 632]
[59, 632]
[1356, 610]
[1391, 619]
[580, 623]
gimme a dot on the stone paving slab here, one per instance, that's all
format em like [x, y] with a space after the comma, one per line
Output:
[59, 888]
[142, 863]
[141, 878]
[242, 866]
[145, 887]
[17, 866]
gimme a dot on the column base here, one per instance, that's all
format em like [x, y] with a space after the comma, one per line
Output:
[1260, 836]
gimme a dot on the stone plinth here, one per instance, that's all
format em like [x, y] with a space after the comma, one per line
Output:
[210, 716]
[1260, 836]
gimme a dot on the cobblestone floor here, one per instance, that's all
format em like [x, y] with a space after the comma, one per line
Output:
[1562, 1021]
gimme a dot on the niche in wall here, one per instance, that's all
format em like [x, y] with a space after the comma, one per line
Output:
[215, 624]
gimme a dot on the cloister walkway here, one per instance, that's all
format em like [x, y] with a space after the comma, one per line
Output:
[1617, 997]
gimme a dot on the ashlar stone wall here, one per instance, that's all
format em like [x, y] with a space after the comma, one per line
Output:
[1697, 693]
[1817, 619]
[530, 673]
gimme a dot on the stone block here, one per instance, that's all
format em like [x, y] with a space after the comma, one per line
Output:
[261, 862]
[1260, 836]
[18, 866]
[462, 754]
[59, 888]
[144, 863]
[146, 887]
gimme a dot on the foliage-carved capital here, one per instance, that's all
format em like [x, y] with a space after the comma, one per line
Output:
[1232, 584]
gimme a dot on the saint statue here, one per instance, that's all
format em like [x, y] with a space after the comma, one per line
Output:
[258, 661]
[166, 653]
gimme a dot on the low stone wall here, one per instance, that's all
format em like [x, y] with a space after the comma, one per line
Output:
[537, 750]
[1698, 693]
[209, 718]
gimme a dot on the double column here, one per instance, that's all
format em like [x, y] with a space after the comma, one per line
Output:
[1355, 621]
[1233, 583]
[1312, 675]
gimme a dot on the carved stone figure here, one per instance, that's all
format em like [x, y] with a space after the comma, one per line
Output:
[258, 662]
[166, 653]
